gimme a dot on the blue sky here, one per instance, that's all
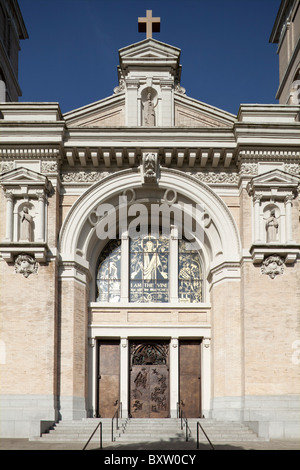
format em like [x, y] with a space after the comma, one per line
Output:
[71, 56]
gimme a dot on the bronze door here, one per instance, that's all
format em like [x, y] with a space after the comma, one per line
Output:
[190, 378]
[149, 380]
[109, 378]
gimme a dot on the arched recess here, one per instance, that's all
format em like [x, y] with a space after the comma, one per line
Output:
[80, 244]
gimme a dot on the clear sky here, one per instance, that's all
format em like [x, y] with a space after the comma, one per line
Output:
[71, 56]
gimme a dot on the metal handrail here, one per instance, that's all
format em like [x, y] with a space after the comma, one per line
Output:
[99, 425]
[116, 416]
[183, 418]
[199, 426]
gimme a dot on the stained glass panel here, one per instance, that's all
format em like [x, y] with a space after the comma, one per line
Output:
[149, 269]
[109, 273]
[189, 273]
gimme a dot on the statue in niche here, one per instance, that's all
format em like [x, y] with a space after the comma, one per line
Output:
[26, 228]
[272, 225]
[149, 112]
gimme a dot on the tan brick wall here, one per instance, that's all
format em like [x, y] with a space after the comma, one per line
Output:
[271, 323]
[66, 204]
[233, 204]
[73, 353]
[28, 328]
[226, 339]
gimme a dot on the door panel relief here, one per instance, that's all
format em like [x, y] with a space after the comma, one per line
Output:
[149, 380]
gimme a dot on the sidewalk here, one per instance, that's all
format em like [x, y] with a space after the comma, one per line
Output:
[25, 444]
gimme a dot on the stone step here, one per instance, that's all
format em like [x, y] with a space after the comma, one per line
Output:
[147, 430]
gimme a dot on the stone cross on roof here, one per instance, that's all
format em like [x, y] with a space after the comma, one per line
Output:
[149, 25]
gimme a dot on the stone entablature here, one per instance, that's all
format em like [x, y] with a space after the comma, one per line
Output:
[143, 314]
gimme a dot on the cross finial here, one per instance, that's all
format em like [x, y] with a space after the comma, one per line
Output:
[149, 25]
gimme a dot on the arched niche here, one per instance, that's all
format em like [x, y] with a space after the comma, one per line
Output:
[149, 101]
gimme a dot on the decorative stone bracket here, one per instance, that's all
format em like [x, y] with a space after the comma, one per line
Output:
[272, 266]
[26, 265]
[149, 168]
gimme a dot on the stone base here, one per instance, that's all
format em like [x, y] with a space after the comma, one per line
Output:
[274, 417]
[72, 408]
[24, 416]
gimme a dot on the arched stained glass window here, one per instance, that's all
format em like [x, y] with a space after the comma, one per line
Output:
[149, 276]
[189, 273]
[109, 273]
[149, 280]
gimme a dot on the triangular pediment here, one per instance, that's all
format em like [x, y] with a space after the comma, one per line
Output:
[193, 113]
[272, 182]
[149, 49]
[275, 178]
[24, 177]
[109, 112]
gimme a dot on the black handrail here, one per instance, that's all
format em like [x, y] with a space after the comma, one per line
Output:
[181, 414]
[99, 425]
[199, 426]
[116, 416]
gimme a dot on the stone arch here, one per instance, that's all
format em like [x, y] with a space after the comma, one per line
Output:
[78, 241]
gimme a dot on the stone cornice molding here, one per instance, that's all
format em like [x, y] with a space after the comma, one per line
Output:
[289, 252]
[224, 271]
[74, 269]
[268, 154]
[10, 250]
[31, 113]
[13, 153]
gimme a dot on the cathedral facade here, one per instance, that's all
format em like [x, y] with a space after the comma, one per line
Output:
[150, 256]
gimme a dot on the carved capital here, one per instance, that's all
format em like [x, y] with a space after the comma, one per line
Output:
[40, 195]
[257, 197]
[288, 198]
[9, 195]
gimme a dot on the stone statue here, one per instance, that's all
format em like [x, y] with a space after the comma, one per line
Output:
[149, 113]
[272, 227]
[26, 229]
